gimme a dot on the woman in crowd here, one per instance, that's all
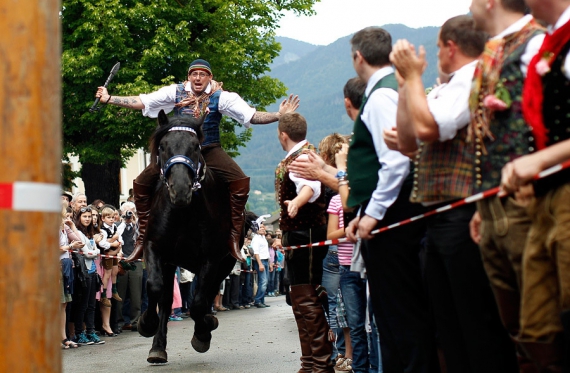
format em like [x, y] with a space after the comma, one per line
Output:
[66, 277]
[90, 237]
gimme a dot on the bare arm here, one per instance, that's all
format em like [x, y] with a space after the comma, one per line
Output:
[420, 122]
[406, 134]
[296, 203]
[129, 102]
[522, 170]
[288, 105]
[314, 168]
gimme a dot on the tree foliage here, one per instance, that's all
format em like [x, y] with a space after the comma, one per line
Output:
[155, 40]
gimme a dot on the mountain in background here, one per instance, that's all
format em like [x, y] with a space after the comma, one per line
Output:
[317, 74]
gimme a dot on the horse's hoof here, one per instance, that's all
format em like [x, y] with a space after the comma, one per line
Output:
[200, 346]
[211, 321]
[157, 357]
[145, 328]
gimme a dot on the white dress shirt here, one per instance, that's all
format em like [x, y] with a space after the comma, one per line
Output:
[230, 103]
[564, 18]
[379, 114]
[315, 185]
[260, 246]
[449, 103]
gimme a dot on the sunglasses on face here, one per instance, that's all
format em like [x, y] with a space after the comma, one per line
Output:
[85, 209]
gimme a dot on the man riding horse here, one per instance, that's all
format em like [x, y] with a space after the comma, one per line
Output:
[186, 99]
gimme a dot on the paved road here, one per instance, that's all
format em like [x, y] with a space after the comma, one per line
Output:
[252, 341]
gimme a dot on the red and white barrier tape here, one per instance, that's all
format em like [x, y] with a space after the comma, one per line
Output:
[463, 202]
[106, 256]
[29, 196]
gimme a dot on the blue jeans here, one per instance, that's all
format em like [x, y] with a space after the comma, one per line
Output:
[354, 295]
[330, 281]
[374, 344]
[261, 281]
[246, 291]
[271, 276]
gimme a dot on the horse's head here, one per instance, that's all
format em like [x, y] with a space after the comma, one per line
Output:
[175, 147]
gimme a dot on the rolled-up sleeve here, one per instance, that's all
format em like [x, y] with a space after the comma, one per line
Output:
[232, 105]
[163, 99]
[300, 183]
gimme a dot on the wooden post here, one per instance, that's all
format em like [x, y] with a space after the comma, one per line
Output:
[30, 207]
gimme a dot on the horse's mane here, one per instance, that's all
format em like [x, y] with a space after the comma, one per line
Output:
[161, 131]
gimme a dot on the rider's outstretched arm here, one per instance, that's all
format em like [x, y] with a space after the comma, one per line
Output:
[130, 102]
[288, 105]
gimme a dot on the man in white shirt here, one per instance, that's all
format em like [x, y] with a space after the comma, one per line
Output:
[191, 98]
[260, 263]
[380, 188]
[467, 321]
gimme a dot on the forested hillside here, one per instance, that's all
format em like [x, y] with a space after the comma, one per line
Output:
[317, 75]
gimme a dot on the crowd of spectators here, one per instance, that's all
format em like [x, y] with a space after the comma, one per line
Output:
[95, 307]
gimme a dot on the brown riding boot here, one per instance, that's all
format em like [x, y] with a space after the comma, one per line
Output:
[313, 313]
[239, 191]
[306, 352]
[143, 202]
[547, 356]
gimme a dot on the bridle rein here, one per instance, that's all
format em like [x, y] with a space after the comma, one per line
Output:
[182, 159]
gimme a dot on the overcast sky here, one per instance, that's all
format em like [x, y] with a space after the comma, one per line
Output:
[338, 18]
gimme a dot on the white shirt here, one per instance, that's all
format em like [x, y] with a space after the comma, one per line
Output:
[230, 103]
[449, 103]
[380, 114]
[260, 246]
[564, 18]
[532, 46]
[300, 182]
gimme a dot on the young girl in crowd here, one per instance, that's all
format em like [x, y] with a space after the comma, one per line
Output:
[111, 246]
[90, 237]
[66, 278]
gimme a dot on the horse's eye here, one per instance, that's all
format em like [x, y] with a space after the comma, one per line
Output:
[161, 148]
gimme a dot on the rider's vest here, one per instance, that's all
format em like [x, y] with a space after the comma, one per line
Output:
[211, 124]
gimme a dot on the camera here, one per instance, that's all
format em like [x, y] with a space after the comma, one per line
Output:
[128, 215]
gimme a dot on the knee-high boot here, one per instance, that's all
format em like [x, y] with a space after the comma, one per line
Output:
[566, 325]
[317, 327]
[306, 359]
[143, 202]
[547, 356]
[239, 191]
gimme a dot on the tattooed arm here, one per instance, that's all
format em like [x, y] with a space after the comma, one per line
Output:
[288, 105]
[130, 102]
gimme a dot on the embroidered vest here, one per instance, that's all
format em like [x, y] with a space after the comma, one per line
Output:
[443, 170]
[110, 231]
[556, 114]
[211, 124]
[362, 161]
[512, 136]
[310, 215]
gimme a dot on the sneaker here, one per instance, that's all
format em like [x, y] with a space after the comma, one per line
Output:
[266, 305]
[247, 306]
[82, 340]
[94, 338]
[175, 318]
[260, 305]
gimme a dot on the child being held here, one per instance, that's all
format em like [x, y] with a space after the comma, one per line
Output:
[110, 245]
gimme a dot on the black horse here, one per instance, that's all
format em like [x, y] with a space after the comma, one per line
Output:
[188, 226]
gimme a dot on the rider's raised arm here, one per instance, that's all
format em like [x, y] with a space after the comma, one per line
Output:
[288, 105]
[232, 105]
[150, 104]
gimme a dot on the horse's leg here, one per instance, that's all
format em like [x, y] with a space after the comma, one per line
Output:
[157, 354]
[148, 322]
[211, 276]
[204, 322]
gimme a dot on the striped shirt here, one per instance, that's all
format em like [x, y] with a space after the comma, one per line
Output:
[344, 249]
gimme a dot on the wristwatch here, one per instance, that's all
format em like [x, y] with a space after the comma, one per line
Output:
[341, 174]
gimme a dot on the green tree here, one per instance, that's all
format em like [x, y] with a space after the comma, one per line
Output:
[155, 40]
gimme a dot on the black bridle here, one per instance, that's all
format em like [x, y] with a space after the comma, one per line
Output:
[182, 159]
